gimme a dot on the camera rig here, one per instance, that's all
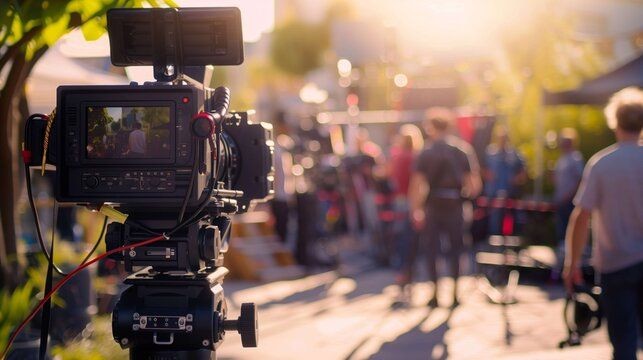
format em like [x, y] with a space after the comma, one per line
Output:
[163, 158]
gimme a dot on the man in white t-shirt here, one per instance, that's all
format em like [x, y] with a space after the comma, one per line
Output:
[611, 194]
[137, 141]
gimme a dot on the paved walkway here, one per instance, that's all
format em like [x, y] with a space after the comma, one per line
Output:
[325, 316]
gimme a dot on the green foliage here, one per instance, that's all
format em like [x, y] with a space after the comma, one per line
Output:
[15, 305]
[298, 47]
[156, 116]
[543, 56]
[67, 255]
[44, 22]
[13, 308]
[587, 120]
[100, 346]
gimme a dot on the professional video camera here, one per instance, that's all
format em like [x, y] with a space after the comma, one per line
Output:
[163, 158]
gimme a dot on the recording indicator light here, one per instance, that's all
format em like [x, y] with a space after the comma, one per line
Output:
[185, 100]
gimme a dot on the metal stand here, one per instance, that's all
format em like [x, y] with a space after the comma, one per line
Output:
[506, 261]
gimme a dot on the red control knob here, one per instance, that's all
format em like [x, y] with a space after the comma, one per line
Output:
[203, 125]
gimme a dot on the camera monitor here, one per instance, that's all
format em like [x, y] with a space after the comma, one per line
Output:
[138, 132]
[180, 37]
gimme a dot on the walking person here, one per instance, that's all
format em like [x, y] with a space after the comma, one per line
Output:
[611, 194]
[281, 203]
[444, 174]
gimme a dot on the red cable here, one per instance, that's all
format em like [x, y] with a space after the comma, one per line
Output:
[67, 278]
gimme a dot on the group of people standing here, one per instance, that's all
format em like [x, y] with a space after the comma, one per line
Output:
[434, 187]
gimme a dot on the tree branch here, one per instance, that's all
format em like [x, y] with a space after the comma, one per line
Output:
[7, 33]
[74, 22]
[15, 48]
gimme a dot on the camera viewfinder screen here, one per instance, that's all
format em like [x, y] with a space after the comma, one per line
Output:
[128, 132]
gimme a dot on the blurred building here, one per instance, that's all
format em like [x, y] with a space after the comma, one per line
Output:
[72, 61]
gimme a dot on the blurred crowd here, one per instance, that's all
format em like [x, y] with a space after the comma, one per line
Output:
[377, 193]
[446, 187]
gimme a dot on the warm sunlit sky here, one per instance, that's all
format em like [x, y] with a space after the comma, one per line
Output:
[442, 26]
[474, 27]
[257, 16]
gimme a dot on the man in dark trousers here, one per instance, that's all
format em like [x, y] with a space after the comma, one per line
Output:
[283, 183]
[611, 194]
[445, 173]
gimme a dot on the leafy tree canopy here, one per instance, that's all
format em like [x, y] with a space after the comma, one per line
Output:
[297, 47]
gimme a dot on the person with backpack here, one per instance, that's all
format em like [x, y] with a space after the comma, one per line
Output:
[445, 173]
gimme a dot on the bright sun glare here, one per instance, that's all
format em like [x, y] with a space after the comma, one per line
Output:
[445, 26]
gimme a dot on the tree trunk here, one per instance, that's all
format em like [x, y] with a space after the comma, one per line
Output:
[8, 164]
[10, 133]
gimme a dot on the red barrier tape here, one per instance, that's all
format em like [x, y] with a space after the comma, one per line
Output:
[517, 204]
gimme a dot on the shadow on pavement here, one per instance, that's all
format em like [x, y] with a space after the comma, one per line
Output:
[417, 343]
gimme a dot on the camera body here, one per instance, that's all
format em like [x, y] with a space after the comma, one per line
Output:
[133, 145]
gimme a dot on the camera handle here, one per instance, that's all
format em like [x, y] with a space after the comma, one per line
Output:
[166, 42]
[167, 57]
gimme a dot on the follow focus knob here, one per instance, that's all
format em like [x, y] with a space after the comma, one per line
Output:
[246, 325]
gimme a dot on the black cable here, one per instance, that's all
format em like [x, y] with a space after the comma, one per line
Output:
[54, 225]
[41, 242]
[45, 317]
[195, 169]
[218, 152]
[138, 225]
[32, 204]
[214, 150]
[39, 231]
[100, 237]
